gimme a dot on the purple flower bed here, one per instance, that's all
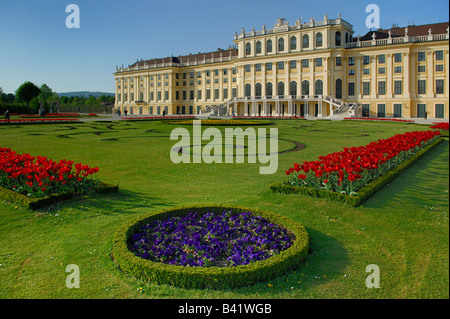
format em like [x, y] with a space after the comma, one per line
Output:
[210, 240]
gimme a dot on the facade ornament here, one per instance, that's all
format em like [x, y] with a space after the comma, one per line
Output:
[281, 22]
[374, 36]
[390, 34]
[242, 30]
[406, 31]
[429, 31]
[325, 17]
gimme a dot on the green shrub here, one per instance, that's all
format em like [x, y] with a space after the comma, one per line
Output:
[364, 193]
[208, 277]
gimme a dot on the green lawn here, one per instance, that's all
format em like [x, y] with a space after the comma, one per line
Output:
[404, 228]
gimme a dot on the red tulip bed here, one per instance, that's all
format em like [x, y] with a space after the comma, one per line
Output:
[441, 127]
[378, 119]
[354, 168]
[25, 178]
[50, 115]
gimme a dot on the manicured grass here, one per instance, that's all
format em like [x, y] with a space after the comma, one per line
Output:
[403, 228]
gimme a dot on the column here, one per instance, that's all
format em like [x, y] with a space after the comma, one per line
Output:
[290, 111]
[265, 109]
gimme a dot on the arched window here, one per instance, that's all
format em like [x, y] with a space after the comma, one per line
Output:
[258, 47]
[269, 89]
[280, 89]
[318, 88]
[269, 46]
[248, 49]
[293, 43]
[306, 41]
[280, 44]
[293, 88]
[305, 87]
[319, 40]
[337, 39]
[258, 89]
[248, 90]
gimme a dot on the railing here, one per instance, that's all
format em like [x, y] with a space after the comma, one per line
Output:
[297, 26]
[176, 64]
[375, 42]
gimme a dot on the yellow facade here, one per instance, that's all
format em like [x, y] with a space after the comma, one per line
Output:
[312, 69]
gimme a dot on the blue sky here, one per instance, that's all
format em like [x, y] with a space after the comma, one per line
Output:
[36, 45]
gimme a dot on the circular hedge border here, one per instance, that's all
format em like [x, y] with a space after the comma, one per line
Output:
[209, 277]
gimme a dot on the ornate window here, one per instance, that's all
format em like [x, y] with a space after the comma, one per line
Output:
[293, 43]
[258, 89]
[280, 89]
[248, 90]
[305, 87]
[269, 89]
[281, 45]
[248, 49]
[337, 39]
[306, 41]
[258, 47]
[293, 88]
[319, 40]
[269, 46]
[318, 87]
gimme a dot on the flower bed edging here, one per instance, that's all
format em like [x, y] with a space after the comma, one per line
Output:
[208, 277]
[364, 193]
[36, 203]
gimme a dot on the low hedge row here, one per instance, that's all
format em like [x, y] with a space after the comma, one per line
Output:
[36, 203]
[364, 193]
[208, 277]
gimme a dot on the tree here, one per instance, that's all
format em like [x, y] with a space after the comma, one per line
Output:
[54, 98]
[27, 92]
[46, 93]
[103, 99]
[34, 105]
[64, 100]
[91, 101]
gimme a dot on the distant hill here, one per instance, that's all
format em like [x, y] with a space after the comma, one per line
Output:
[85, 94]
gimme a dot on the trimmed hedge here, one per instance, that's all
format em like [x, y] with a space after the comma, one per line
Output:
[208, 277]
[36, 203]
[229, 123]
[364, 193]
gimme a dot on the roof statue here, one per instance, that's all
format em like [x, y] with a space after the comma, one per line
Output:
[281, 22]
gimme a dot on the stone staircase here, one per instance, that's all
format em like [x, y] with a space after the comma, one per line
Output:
[213, 110]
[343, 109]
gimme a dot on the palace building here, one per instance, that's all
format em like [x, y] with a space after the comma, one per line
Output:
[311, 69]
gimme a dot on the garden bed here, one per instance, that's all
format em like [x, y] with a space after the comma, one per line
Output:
[36, 203]
[188, 255]
[375, 119]
[354, 178]
[40, 121]
[36, 181]
[222, 122]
